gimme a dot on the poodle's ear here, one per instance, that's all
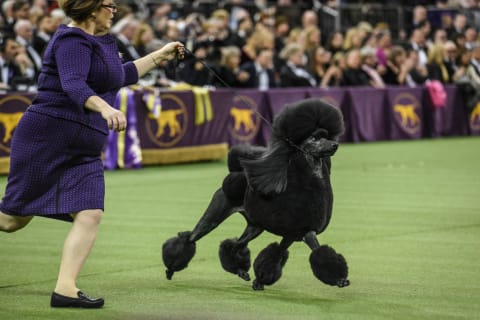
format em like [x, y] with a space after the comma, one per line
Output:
[268, 174]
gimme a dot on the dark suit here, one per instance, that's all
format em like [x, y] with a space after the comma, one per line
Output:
[355, 77]
[40, 42]
[13, 74]
[253, 81]
[126, 50]
[288, 78]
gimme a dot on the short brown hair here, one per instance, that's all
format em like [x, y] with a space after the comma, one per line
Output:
[80, 10]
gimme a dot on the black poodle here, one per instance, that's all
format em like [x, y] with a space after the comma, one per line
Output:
[283, 188]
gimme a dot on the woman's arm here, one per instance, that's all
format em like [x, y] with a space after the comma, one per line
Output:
[153, 60]
[116, 120]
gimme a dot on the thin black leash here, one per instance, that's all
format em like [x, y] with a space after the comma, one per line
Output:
[202, 61]
[212, 71]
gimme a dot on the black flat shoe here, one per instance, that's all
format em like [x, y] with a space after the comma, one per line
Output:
[83, 301]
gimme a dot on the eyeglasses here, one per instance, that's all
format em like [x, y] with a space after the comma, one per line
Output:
[112, 7]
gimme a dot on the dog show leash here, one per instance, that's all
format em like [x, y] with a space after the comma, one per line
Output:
[219, 78]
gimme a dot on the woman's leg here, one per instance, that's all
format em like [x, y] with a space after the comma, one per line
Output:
[10, 223]
[76, 249]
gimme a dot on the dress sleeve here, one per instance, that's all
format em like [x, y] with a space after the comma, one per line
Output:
[73, 57]
[131, 73]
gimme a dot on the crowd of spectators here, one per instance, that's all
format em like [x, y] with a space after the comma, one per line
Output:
[264, 48]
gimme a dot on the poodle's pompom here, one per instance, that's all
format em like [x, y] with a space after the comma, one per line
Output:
[177, 253]
[329, 266]
[268, 265]
[298, 121]
[234, 186]
[235, 258]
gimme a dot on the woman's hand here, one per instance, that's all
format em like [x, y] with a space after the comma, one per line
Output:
[116, 120]
[172, 50]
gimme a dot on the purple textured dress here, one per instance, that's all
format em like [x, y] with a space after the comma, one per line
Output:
[55, 163]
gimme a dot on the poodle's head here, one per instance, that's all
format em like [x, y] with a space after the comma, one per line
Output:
[311, 125]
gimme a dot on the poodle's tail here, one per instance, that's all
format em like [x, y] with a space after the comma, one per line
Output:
[239, 152]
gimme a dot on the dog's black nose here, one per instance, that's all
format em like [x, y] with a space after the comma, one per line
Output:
[335, 145]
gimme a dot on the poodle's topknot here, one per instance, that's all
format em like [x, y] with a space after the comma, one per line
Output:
[297, 121]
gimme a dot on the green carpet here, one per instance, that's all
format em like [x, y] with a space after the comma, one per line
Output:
[406, 217]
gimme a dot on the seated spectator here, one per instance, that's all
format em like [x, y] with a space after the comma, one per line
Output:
[437, 70]
[370, 67]
[335, 42]
[353, 75]
[462, 64]
[43, 32]
[143, 36]
[193, 71]
[418, 73]
[334, 73]
[398, 67]
[229, 69]
[260, 38]
[311, 38]
[14, 11]
[11, 70]
[24, 36]
[260, 72]
[451, 56]
[294, 73]
[418, 42]
[384, 43]
[212, 39]
[440, 36]
[124, 31]
[243, 31]
[318, 62]
[354, 38]
[471, 37]
[473, 71]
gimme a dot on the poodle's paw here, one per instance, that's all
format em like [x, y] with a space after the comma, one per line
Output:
[177, 253]
[257, 286]
[235, 258]
[268, 265]
[343, 283]
[244, 275]
[329, 266]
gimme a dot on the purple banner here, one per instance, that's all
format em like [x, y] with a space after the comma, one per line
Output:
[405, 112]
[249, 117]
[474, 120]
[368, 114]
[450, 120]
[12, 107]
[278, 98]
[186, 119]
[123, 148]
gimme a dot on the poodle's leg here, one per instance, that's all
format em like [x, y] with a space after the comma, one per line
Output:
[178, 251]
[235, 255]
[269, 263]
[327, 265]
[219, 209]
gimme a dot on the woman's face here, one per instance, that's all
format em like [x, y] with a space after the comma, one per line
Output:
[322, 56]
[104, 16]
[147, 36]
[233, 61]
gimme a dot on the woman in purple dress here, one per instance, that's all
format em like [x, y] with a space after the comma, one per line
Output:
[56, 169]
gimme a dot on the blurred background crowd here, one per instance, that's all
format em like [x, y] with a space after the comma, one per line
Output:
[267, 44]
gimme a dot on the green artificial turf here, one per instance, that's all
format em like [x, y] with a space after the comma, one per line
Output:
[406, 218]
